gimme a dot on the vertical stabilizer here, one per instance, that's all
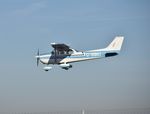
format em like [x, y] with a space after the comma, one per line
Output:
[116, 43]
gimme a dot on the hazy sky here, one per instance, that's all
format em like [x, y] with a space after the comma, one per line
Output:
[119, 82]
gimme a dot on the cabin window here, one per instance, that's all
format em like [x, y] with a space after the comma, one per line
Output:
[70, 52]
[61, 52]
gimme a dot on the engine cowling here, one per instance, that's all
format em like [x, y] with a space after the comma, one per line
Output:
[65, 66]
[47, 68]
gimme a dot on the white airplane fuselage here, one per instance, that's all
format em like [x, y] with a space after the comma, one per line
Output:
[63, 54]
[76, 57]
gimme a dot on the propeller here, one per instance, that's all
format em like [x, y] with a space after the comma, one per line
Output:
[37, 57]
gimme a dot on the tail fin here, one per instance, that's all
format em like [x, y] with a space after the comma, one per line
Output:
[116, 43]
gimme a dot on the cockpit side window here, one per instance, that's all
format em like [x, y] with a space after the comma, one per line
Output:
[61, 52]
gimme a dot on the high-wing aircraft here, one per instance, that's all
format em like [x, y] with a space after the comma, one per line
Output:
[63, 55]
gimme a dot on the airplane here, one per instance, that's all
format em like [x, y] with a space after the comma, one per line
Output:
[63, 55]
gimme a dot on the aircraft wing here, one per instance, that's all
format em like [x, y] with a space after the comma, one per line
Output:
[60, 47]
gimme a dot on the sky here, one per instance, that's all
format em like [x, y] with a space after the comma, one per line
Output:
[120, 82]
